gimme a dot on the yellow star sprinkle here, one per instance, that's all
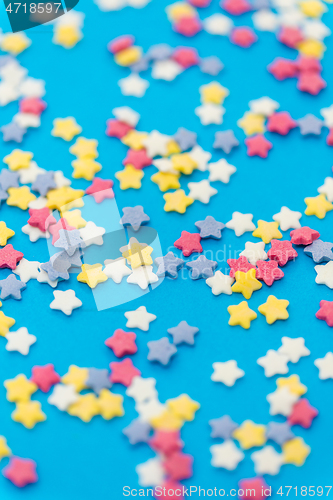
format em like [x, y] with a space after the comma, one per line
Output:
[74, 218]
[241, 315]
[251, 123]
[179, 10]
[166, 181]
[267, 231]
[134, 139]
[173, 148]
[14, 43]
[110, 405]
[130, 177]
[137, 256]
[312, 8]
[274, 309]
[78, 203]
[5, 233]
[92, 275]
[5, 323]
[67, 36]
[293, 383]
[4, 450]
[183, 407]
[59, 198]
[85, 168]
[128, 56]
[177, 201]
[86, 407]
[183, 163]
[167, 421]
[213, 93]
[18, 159]
[246, 283]
[295, 451]
[66, 128]
[84, 148]
[28, 414]
[311, 48]
[318, 206]
[250, 434]
[20, 197]
[19, 389]
[77, 377]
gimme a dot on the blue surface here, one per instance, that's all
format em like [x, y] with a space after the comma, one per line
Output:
[84, 461]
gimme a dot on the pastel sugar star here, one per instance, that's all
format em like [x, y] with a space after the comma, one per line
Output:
[92, 275]
[274, 363]
[327, 188]
[85, 168]
[254, 252]
[28, 413]
[293, 348]
[183, 407]
[133, 85]
[317, 206]
[326, 312]
[66, 128]
[213, 93]
[325, 274]
[264, 106]
[65, 301]
[142, 389]
[14, 43]
[84, 148]
[221, 171]
[76, 377]
[210, 114]
[220, 283]
[295, 451]
[241, 223]
[100, 189]
[20, 197]
[241, 315]
[110, 405]
[130, 177]
[281, 401]
[293, 383]
[274, 309]
[63, 396]
[267, 231]
[325, 366]
[142, 276]
[67, 36]
[227, 372]
[86, 407]
[177, 201]
[5, 451]
[267, 461]
[20, 341]
[21, 471]
[5, 323]
[19, 389]
[258, 145]
[250, 434]
[201, 191]
[166, 180]
[246, 283]
[252, 123]
[140, 318]
[288, 219]
[5, 233]
[183, 333]
[226, 455]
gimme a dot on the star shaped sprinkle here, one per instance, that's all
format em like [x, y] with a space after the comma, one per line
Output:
[44, 182]
[325, 366]
[134, 217]
[325, 274]
[20, 197]
[100, 189]
[9, 257]
[281, 401]
[267, 231]
[116, 269]
[63, 396]
[66, 128]
[274, 363]
[279, 432]
[177, 201]
[303, 236]
[92, 275]
[210, 114]
[137, 158]
[20, 341]
[5, 451]
[258, 145]
[183, 407]
[86, 407]
[226, 372]
[161, 350]
[222, 427]
[295, 451]
[21, 471]
[98, 380]
[268, 271]
[92, 234]
[201, 191]
[225, 140]
[76, 377]
[252, 123]
[257, 486]
[166, 442]
[317, 205]
[293, 383]
[281, 123]
[254, 252]
[210, 228]
[264, 106]
[288, 219]
[320, 251]
[84, 148]
[5, 234]
[246, 283]
[267, 461]
[140, 318]
[327, 188]
[85, 168]
[310, 125]
[18, 159]
[44, 377]
[201, 267]
[65, 301]
[185, 138]
[188, 243]
[8, 179]
[166, 181]
[142, 389]
[133, 85]
[38, 218]
[28, 414]
[130, 177]
[151, 472]
[137, 431]
[123, 372]
[5, 323]
[293, 348]
[241, 223]
[11, 288]
[221, 171]
[122, 343]
[220, 283]
[69, 241]
[325, 312]
[226, 455]
[19, 389]
[183, 163]
[282, 252]
[241, 315]
[116, 128]
[213, 93]
[169, 265]
[142, 276]
[274, 309]
[211, 65]
[183, 333]
[250, 434]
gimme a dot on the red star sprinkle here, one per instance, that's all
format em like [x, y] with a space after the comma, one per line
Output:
[55, 228]
[166, 442]
[282, 252]
[179, 466]
[282, 68]
[240, 264]
[329, 138]
[255, 488]
[21, 471]
[186, 57]
[303, 414]
[120, 43]
[189, 243]
[303, 236]
[325, 312]
[281, 123]
[311, 82]
[139, 159]
[122, 343]
[258, 145]
[290, 36]
[9, 257]
[236, 7]
[45, 377]
[268, 271]
[243, 37]
[308, 64]
[170, 490]
[38, 218]
[123, 372]
[32, 105]
[200, 3]
[116, 128]
[188, 26]
[100, 189]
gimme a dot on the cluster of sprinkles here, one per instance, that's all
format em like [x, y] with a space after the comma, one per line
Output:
[53, 213]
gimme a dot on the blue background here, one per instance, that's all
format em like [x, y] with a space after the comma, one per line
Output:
[84, 461]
